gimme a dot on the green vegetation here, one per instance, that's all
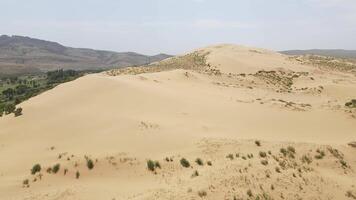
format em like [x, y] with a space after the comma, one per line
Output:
[36, 168]
[202, 193]
[199, 161]
[77, 174]
[264, 162]
[230, 156]
[16, 89]
[320, 154]
[307, 159]
[151, 165]
[263, 154]
[351, 104]
[56, 168]
[90, 164]
[185, 163]
[258, 143]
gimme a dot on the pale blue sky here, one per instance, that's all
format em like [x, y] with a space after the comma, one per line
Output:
[176, 26]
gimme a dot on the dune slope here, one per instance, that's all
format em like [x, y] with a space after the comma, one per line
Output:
[213, 104]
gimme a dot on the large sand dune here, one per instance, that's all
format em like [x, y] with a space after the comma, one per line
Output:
[209, 103]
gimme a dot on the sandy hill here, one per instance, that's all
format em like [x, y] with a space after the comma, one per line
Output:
[20, 54]
[265, 126]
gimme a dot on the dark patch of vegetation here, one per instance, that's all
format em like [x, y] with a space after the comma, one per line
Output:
[16, 89]
[25, 182]
[350, 194]
[195, 174]
[351, 104]
[90, 164]
[264, 162]
[77, 175]
[230, 156]
[289, 151]
[343, 164]
[151, 165]
[185, 163]
[209, 163]
[18, 112]
[320, 154]
[249, 193]
[199, 161]
[263, 154]
[56, 168]
[258, 143]
[36, 168]
[307, 159]
[202, 193]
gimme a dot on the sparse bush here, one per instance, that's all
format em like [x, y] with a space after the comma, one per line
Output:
[202, 193]
[18, 112]
[25, 182]
[343, 164]
[249, 193]
[230, 156]
[283, 151]
[185, 163]
[49, 170]
[209, 163]
[195, 174]
[199, 161]
[264, 162]
[272, 187]
[56, 168]
[350, 194]
[307, 159]
[36, 168]
[90, 164]
[258, 143]
[351, 104]
[151, 165]
[77, 175]
[278, 170]
[157, 164]
[263, 154]
[320, 155]
[291, 149]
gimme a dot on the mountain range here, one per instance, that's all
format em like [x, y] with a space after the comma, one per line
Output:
[338, 53]
[20, 54]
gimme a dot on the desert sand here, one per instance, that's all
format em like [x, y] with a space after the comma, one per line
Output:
[271, 126]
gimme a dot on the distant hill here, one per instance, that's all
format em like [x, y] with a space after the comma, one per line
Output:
[20, 54]
[338, 53]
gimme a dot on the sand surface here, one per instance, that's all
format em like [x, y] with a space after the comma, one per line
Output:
[173, 110]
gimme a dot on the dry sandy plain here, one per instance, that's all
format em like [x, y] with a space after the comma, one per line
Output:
[265, 126]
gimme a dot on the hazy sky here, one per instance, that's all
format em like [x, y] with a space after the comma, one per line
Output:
[176, 26]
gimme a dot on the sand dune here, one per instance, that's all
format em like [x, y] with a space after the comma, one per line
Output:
[207, 104]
